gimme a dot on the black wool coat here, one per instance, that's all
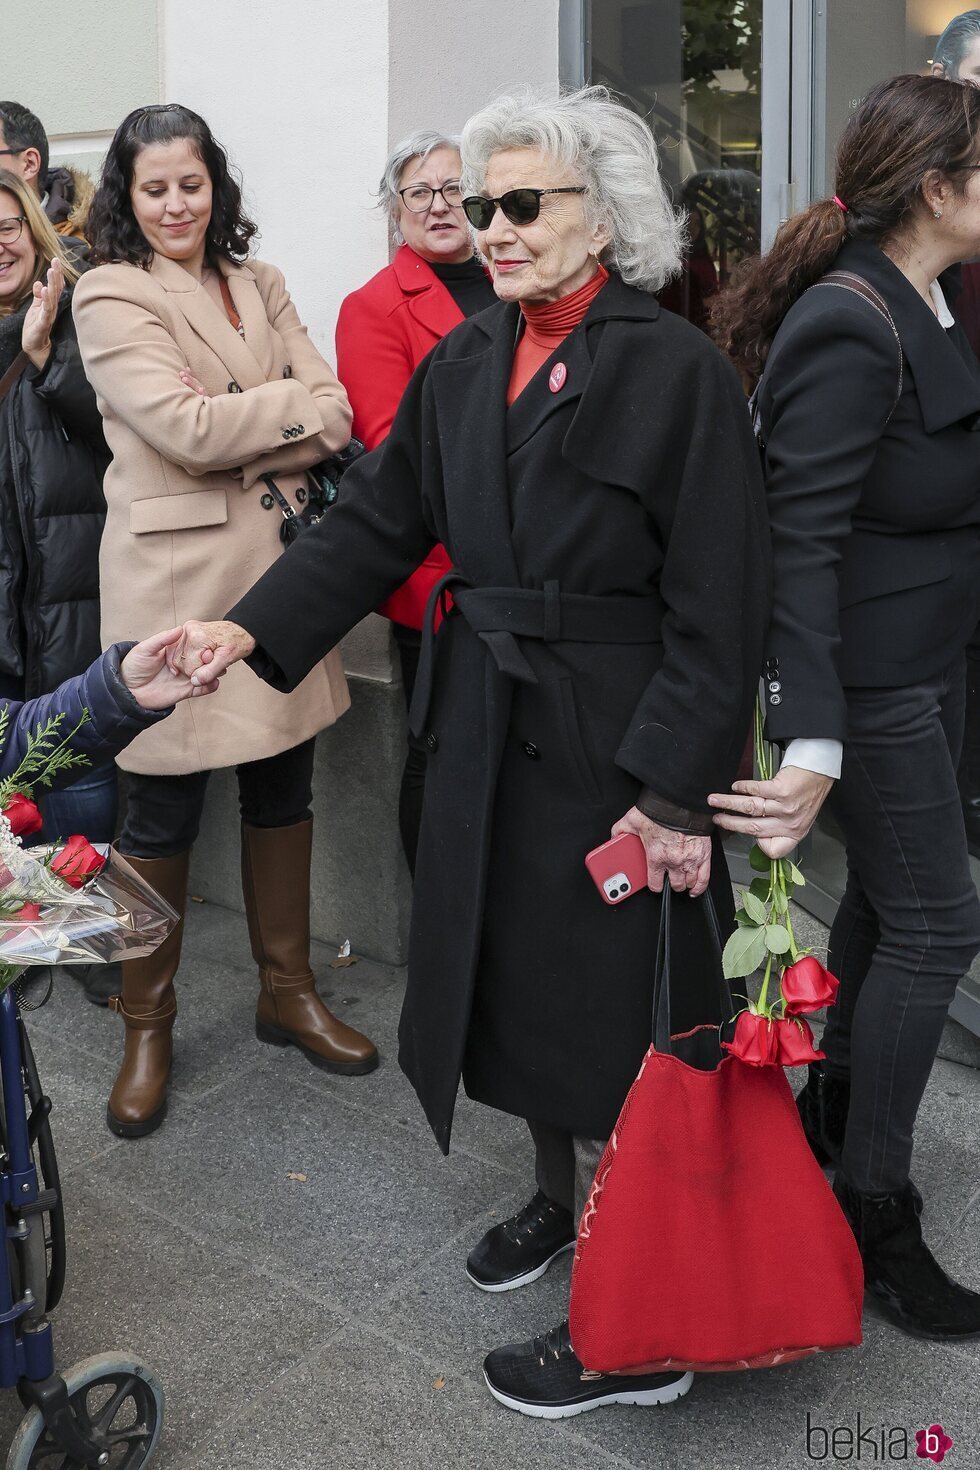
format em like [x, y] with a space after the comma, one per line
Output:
[611, 595]
[53, 458]
[874, 503]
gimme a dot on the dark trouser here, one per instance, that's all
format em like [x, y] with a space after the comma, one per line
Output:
[909, 924]
[564, 1166]
[163, 814]
[87, 806]
[410, 797]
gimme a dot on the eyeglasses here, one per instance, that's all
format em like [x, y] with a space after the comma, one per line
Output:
[14, 151]
[417, 198]
[520, 206]
[11, 229]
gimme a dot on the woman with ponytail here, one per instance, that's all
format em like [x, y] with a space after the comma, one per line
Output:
[868, 406]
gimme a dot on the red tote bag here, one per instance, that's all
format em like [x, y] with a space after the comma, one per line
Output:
[711, 1240]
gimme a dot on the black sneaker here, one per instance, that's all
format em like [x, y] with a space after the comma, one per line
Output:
[520, 1250]
[545, 1379]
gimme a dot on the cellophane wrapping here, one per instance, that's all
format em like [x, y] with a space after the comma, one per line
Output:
[115, 915]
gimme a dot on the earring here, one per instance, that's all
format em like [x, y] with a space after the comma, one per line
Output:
[937, 214]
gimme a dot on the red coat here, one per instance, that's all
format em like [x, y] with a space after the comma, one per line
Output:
[383, 332]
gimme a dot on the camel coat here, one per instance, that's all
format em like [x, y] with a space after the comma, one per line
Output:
[186, 531]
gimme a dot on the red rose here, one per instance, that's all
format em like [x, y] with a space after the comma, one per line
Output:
[77, 861]
[754, 1041]
[23, 815]
[28, 913]
[794, 1044]
[807, 986]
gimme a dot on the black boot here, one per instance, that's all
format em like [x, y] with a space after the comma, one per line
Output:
[822, 1106]
[901, 1272]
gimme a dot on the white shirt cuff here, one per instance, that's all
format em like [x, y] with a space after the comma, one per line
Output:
[820, 756]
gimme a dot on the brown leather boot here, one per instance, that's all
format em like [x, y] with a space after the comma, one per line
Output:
[138, 1101]
[276, 885]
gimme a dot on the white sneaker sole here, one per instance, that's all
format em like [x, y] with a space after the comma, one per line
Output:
[528, 1276]
[644, 1399]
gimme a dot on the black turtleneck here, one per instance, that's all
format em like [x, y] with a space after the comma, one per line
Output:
[467, 283]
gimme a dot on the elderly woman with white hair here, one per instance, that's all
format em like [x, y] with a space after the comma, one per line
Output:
[587, 461]
[384, 330]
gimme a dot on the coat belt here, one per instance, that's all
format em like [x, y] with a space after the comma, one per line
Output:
[499, 616]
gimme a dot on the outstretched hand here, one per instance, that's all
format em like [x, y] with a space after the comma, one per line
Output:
[153, 682]
[205, 650]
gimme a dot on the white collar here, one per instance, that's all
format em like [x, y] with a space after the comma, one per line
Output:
[946, 317]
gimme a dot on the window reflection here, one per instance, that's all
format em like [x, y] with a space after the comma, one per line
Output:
[693, 68]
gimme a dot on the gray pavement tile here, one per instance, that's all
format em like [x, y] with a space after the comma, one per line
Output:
[77, 1086]
[494, 1137]
[378, 1198]
[901, 1383]
[450, 1321]
[215, 1333]
[365, 1405]
[946, 1160]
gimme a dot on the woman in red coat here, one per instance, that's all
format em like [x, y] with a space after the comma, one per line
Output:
[384, 330]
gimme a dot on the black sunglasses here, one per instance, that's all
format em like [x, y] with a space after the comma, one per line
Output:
[520, 206]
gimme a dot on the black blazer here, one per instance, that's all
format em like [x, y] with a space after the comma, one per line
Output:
[875, 513]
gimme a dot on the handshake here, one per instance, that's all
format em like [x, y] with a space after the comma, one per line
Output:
[183, 662]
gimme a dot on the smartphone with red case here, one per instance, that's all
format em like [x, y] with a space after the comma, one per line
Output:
[618, 868]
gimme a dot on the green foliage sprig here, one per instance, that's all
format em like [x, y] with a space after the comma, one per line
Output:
[48, 753]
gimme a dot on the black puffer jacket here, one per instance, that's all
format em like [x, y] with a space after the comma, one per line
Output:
[53, 457]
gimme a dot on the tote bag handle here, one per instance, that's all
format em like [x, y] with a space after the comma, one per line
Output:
[661, 976]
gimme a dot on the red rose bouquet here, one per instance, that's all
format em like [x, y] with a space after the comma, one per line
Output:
[69, 902]
[771, 1031]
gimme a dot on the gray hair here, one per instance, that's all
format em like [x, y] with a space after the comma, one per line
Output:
[416, 145]
[955, 41]
[614, 153]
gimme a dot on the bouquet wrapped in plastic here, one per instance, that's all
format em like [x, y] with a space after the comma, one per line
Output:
[53, 913]
[69, 902]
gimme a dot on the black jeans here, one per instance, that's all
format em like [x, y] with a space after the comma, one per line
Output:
[909, 923]
[163, 814]
[412, 791]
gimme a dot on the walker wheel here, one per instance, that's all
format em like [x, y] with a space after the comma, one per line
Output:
[117, 1401]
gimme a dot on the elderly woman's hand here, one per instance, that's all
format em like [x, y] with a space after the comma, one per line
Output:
[682, 859]
[41, 315]
[777, 813]
[205, 650]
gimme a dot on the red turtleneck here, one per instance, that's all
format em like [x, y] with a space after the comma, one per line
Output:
[546, 325]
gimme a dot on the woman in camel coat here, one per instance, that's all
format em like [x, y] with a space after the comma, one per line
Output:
[206, 380]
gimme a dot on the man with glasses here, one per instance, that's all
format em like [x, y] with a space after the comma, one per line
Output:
[64, 192]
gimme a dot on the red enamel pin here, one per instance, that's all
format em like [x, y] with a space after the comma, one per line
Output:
[559, 373]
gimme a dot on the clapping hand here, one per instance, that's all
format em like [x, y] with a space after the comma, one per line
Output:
[205, 650]
[35, 337]
[150, 677]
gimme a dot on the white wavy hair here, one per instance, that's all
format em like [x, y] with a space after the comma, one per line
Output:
[613, 152]
[416, 145]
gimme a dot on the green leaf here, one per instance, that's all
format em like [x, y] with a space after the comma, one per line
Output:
[743, 921]
[757, 911]
[796, 877]
[744, 952]
[758, 860]
[777, 939]
[780, 901]
[760, 887]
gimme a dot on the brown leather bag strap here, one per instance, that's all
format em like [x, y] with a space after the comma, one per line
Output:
[848, 281]
[231, 310]
[12, 374]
